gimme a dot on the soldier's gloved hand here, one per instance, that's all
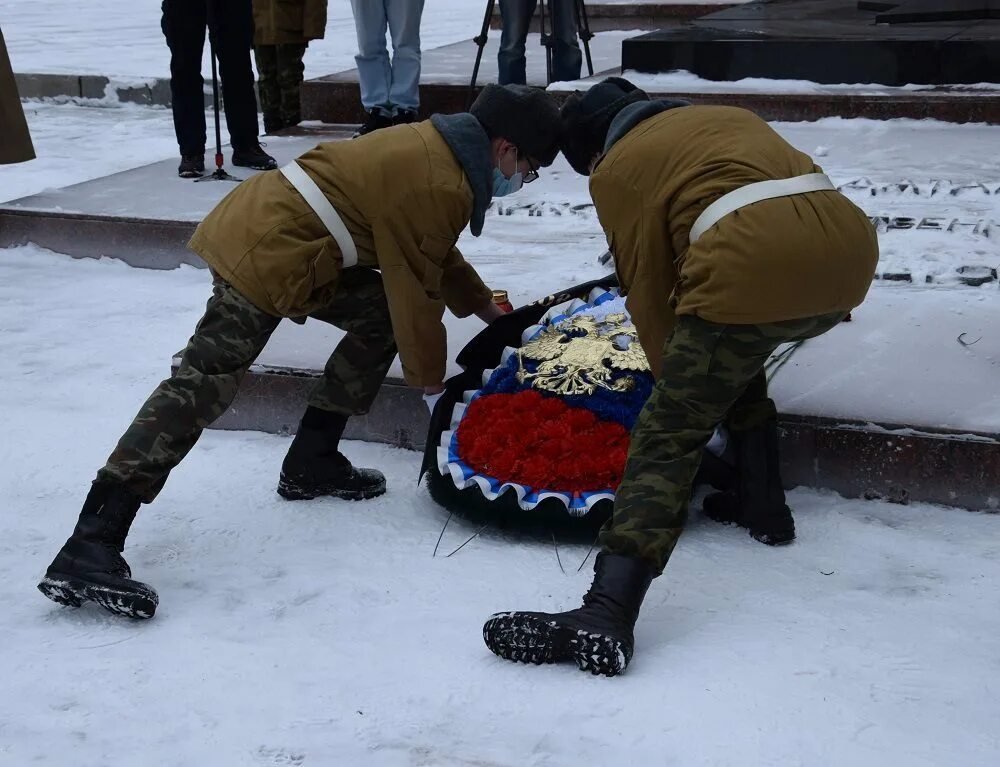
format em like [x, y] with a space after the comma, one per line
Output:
[431, 399]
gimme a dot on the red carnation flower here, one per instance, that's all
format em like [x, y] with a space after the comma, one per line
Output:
[542, 443]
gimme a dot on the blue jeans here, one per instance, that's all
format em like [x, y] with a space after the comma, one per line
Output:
[384, 85]
[566, 56]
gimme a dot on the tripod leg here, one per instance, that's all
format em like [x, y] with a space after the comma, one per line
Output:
[583, 30]
[215, 102]
[212, 18]
[547, 43]
[481, 42]
[219, 174]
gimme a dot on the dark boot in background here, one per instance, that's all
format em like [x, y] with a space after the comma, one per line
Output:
[758, 504]
[315, 466]
[191, 166]
[376, 120]
[598, 636]
[253, 156]
[90, 567]
[404, 117]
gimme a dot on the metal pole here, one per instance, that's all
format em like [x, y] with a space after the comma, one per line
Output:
[583, 29]
[218, 174]
[481, 42]
[215, 102]
[547, 42]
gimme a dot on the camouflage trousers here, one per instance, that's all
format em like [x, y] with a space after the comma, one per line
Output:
[227, 340]
[279, 77]
[712, 374]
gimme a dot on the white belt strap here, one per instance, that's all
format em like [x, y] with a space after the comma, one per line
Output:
[751, 193]
[321, 207]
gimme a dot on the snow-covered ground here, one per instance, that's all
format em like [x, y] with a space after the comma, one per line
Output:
[324, 633]
[76, 143]
[682, 81]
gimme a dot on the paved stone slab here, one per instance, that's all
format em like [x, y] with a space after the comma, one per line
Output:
[150, 91]
[142, 216]
[924, 378]
[854, 458]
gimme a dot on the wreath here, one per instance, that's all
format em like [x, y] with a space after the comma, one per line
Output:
[535, 432]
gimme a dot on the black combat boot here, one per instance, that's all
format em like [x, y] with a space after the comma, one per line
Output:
[90, 567]
[404, 117]
[598, 636]
[758, 503]
[315, 466]
[192, 166]
[377, 119]
[253, 156]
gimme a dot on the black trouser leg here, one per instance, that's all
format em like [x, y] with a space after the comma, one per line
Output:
[183, 25]
[233, 36]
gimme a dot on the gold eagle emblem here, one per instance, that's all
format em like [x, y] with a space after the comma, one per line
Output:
[582, 354]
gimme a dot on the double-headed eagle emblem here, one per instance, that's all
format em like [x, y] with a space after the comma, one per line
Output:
[582, 354]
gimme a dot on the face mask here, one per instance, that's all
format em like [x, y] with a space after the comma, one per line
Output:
[504, 186]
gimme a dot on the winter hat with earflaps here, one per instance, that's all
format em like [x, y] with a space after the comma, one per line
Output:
[525, 116]
[586, 117]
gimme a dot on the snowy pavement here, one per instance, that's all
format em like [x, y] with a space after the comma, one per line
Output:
[324, 632]
[683, 81]
[76, 143]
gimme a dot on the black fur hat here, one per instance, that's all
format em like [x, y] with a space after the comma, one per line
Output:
[525, 116]
[586, 117]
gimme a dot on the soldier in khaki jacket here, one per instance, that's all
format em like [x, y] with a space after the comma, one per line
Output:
[360, 234]
[728, 242]
[15, 141]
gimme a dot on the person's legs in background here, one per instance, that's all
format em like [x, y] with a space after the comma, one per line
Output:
[183, 25]
[515, 16]
[403, 17]
[290, 75]
[567, 60]
[268, 86]
[374, 68]
[231, 28]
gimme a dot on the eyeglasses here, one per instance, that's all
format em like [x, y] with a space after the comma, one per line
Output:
[531, 175]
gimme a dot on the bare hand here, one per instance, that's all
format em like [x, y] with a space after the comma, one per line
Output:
[490, 312]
